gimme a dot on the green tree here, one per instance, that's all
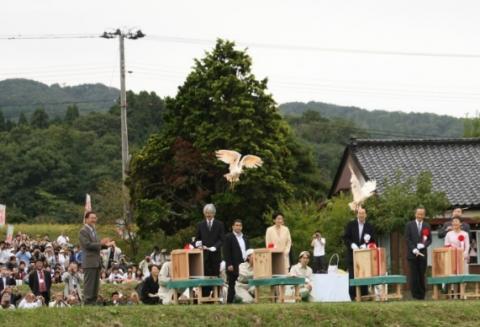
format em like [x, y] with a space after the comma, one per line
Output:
[471, 126]
[221, 105]
[72, 114]
[3, 126]
[39, 118]
[22, 120]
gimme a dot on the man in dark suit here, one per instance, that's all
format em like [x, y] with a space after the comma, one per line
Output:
[40, 281]
[234, 253]
[210, 237]
[6, 279]
[91, 260]
[358, 233]
[418, 237]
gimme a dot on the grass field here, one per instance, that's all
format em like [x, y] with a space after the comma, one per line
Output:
[441, 313]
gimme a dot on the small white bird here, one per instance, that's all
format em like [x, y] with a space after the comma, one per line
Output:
[236, 165]
[360, 191]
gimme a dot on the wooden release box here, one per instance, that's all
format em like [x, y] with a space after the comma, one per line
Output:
[187, 263]
[369, 262]
[447, 261]
[268, 262]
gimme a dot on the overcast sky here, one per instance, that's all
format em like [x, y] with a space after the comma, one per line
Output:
[287, 40]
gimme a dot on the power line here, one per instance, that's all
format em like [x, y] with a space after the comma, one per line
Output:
[113, 101]
[49, 36]
[185, 40]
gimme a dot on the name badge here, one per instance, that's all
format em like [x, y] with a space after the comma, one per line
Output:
[41, 281]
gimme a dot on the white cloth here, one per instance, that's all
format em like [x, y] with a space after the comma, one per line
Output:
[26, 305]
[62, 240]
[330, 288]
[245, 293]
[319, 247]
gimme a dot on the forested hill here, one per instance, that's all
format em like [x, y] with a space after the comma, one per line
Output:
[23, 95]
[384, 124]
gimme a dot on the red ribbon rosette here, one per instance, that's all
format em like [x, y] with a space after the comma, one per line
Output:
[270, 245]
[188, 246]
[372, 245]
[425, 232]
[461, 238]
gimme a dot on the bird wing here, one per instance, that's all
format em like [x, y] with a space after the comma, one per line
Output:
[369, 187]
[229, 157]
[356, 188]
[251, 161]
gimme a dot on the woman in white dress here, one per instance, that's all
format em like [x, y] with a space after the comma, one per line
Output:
[278, 238]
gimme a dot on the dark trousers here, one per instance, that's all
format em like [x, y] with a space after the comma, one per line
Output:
[318, 264]
[211, 267]
[91, 284]
[351, 290]
[231, 278]
[418, 267]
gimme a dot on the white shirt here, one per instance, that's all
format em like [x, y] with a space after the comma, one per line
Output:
[360, 230]
[61, 240]
[241, 242]
[419, 226]
[319, 247]
[5, 255]
[26, 305]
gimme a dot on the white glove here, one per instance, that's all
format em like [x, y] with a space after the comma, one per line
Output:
[415, 251]
[366, 238]
[363, 246]
[354, 246]
[420, 246]
[198, 244]
[212, 249]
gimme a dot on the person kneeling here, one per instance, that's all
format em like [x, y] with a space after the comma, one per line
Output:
[301, 269]
[245, 273]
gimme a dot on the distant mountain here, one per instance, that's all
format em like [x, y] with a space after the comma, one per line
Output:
[23, 95]
[384, 124]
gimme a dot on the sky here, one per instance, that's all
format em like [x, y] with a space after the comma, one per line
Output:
[420, 56]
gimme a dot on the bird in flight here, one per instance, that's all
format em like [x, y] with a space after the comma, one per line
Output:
[360, 190]
[237, 163]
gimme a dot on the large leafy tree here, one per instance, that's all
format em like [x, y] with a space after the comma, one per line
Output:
[221, 105]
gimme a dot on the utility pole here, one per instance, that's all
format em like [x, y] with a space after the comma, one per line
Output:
[123, 112]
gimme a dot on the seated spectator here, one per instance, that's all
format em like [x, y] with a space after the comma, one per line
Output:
[63, 239]
[63, 260]
[6, 279]
[21, 273]
[5, 302]
[58, 301]
[116, 277]
[11, 292]
[49, 254]
[245, 273]
[139, 276]
[150, 287]
[301, 269]
[128, 277]
[12, 263]
[116, 299]
[37, 255]
[23, 254]
[134, 299]
[31, 301]
[6, 251]
[72, 300]
[103, 277]
[57, 277]
[73, 281]
[144, 266]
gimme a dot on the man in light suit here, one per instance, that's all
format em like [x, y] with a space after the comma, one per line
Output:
[418, 236]
[210, 237]
[91, 260]
[234, 253]
[358, 233]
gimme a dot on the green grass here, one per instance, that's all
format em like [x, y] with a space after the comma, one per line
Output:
[441, 313]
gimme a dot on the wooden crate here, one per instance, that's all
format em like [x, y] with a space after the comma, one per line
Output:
[268, 262]
[187, 264]
[447, 261]
[369, 262]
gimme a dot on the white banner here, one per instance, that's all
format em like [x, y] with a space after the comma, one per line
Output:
[3, 214]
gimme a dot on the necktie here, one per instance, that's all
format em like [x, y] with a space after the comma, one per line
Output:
[209, 225]
[419, 227]
[94, 234]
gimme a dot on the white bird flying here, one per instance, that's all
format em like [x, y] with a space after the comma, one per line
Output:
[360, 191]
[236, 165]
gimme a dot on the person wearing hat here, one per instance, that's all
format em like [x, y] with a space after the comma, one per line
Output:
[301, 269]
[40, 281]
[245, 273]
